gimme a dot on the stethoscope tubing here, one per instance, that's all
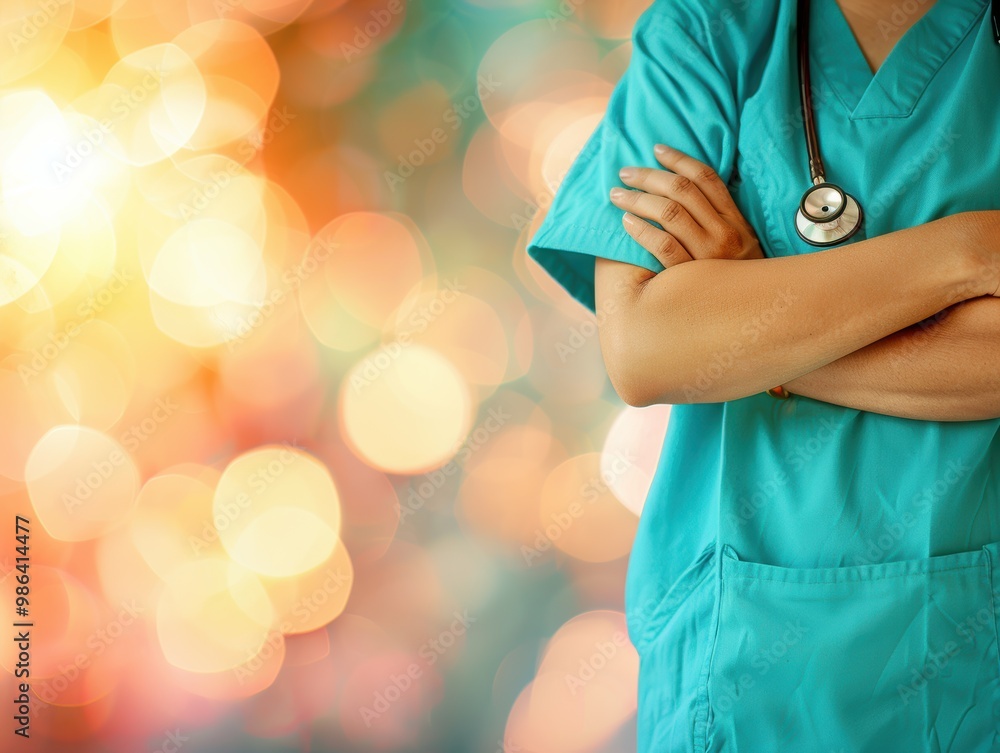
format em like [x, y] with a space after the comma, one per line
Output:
[816, 169]
[834, 225]
[830, 226]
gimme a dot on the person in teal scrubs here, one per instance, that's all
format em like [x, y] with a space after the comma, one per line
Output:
[808, 576]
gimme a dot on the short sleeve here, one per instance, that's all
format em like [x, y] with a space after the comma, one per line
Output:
[673, 92]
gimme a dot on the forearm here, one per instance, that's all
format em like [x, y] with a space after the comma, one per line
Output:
[946, 369]
[712, 330]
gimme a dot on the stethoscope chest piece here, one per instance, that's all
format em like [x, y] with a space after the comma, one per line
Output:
[827, 215]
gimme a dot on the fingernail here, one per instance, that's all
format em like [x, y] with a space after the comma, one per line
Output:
[662, 149]
[626, 173]
[628, 219]
[618, 193]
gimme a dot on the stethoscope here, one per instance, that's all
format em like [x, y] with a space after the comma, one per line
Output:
[828, 215]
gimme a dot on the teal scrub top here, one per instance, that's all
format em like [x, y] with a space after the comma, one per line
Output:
[806, 577]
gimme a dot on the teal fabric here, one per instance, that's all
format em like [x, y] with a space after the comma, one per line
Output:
[806, 577]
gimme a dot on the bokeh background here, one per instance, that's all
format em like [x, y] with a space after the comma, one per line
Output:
[314, 458]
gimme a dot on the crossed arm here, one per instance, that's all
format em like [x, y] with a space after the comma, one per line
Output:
[944, 369]
[905, 325]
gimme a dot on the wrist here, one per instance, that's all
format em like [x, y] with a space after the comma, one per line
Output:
[975, 237]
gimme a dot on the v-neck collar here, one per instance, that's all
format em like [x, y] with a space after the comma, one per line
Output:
[893, 91]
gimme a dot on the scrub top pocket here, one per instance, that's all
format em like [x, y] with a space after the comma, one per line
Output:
[891, 657]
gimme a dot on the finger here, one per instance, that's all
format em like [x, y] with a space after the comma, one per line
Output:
[702, 175]
[661, 244]
[669, 214]
[680, 188]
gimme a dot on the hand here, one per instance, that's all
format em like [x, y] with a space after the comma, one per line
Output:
[691, 203]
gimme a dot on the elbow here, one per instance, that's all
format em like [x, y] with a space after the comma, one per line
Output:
[637, 380]
[641, 378]
[640, 391]
[632, 392]
[625, 364]
[653, 364]
[633, 340]
[627, 380]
